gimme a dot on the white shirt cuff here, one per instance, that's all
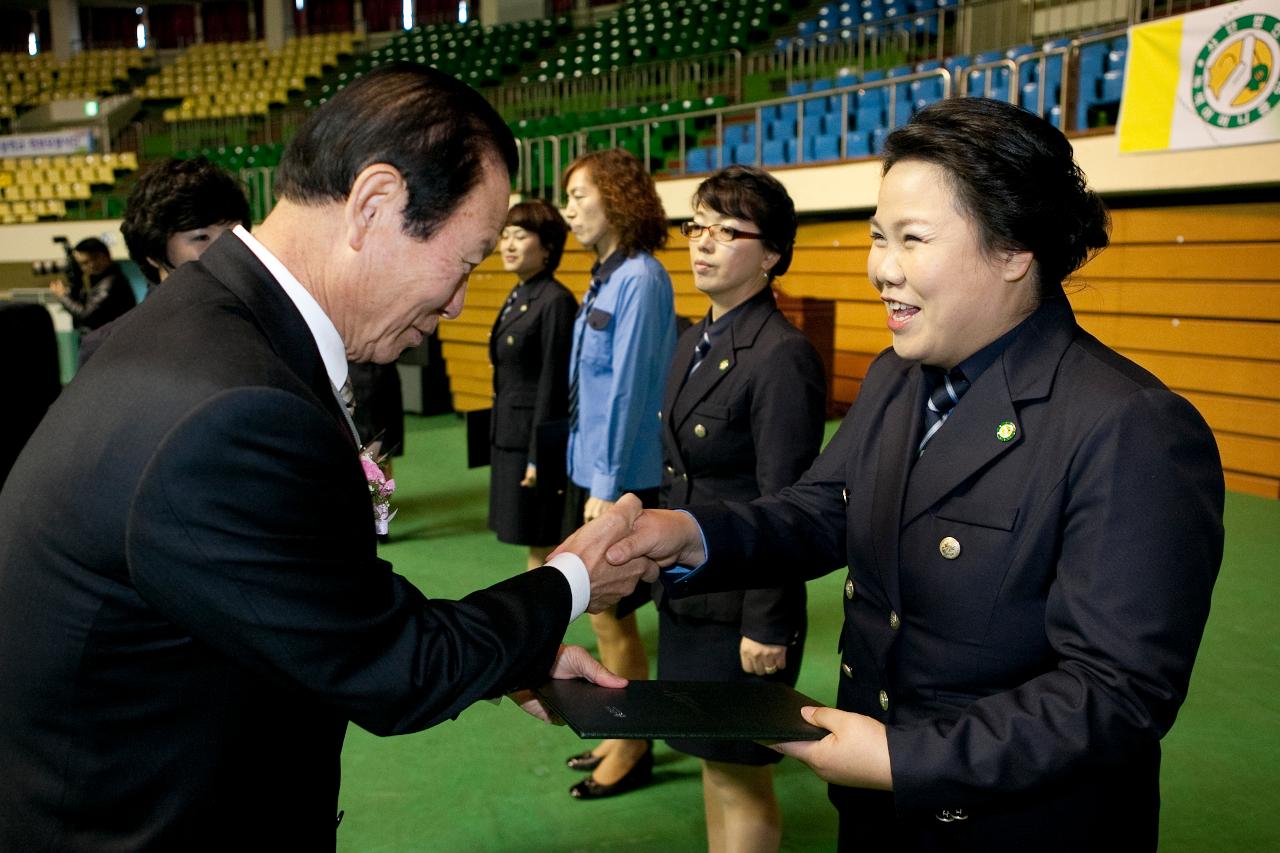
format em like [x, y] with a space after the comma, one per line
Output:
[575, 572]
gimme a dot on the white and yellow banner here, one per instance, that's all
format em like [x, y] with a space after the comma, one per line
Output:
[1204, 79]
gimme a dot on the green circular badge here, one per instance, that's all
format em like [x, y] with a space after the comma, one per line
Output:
[1236, 77]
[1006, 431]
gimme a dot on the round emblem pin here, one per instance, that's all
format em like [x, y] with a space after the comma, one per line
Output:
[1006, 431]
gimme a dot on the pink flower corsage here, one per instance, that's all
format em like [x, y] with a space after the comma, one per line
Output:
[380, 491]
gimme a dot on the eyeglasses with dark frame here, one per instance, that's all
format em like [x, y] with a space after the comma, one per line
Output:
[719, 233]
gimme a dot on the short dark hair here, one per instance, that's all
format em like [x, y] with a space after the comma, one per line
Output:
[1016, 175]
[543, 219]
[92, 246]
[175, 196]
[753, 194]
[437, 131]
[631, 203]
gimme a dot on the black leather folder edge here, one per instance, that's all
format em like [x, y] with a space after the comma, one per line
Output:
[755, 710]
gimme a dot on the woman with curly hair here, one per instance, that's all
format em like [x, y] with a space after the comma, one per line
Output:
[623, 338]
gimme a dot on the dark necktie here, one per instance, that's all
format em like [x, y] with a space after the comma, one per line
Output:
[700, 352]
[347, 395]
[947, 389]
[511, 300]
[587, 301]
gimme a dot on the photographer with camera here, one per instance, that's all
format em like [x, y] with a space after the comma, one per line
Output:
[104, 296]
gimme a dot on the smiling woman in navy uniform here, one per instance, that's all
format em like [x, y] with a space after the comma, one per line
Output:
[1029, 582]
[742, 416]
[529, 347]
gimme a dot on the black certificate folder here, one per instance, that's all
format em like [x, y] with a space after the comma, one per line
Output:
[765, 710]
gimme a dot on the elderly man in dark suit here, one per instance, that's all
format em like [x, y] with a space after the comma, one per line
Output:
[191, 604]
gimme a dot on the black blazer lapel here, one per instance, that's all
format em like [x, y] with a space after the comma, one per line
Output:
[231, 262]
[723, 355]
[675, 381]
[901, 417]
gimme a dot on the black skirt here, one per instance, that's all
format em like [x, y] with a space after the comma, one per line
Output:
[691, 649]
[521, 516]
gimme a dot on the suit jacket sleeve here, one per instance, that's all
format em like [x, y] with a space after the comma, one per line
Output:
[788, 402]
[251, 529]
[555, 341]
[796, 535]
[1140, 544]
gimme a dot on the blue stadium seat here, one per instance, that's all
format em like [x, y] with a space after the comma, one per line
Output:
[1112, 87]
[869, 117]
[698, 160]
[877, 139]
[956, 65]
[774, 153]
[824, 147]
[858, 143]
[815, 108]
[745, 153]
[736, 134]
[780, 129]
[928, 90]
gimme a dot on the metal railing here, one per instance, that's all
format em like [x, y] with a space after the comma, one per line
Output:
[904, 40]
[544, 158]
[669, 80]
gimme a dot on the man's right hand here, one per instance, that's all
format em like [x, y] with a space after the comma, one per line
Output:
[665, 536]
[610, 580]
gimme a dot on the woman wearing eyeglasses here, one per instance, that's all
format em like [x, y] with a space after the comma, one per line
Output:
[742, 417]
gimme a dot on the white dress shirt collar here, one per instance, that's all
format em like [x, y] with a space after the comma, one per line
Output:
[332, 351]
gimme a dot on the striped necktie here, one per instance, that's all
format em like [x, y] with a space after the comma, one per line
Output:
[947, 389]
[348, 396]
[587, 301]
[511, 300]
[700, 352]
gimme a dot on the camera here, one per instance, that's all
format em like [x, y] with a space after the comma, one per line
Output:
[66, 267]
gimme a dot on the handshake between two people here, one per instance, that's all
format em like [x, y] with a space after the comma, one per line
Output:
[620, 548]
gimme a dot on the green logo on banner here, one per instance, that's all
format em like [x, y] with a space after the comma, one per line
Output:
[1236, 79]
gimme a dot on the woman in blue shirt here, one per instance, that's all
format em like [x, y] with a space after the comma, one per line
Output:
[623, 338]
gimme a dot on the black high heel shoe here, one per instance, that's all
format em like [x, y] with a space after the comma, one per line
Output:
[640, 774]
[584, 761]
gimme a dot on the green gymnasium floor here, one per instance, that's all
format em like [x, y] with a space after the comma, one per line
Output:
[494, 780]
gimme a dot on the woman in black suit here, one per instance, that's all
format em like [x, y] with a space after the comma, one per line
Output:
[529, 347]
[742, 416]
[1032, 523]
